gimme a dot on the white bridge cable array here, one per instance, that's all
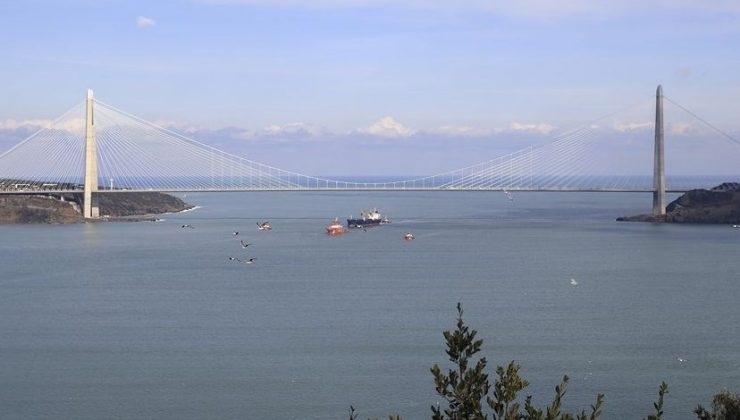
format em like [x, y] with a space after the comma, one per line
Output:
[52, 157]
[137, 155]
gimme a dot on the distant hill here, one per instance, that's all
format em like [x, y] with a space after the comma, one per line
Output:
[66, 208]
[719, 205]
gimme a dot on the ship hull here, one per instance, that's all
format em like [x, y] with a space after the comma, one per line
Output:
[335, 230]
[362, 223]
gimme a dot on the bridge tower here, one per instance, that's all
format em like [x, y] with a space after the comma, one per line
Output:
[90, 199]
[659, 157]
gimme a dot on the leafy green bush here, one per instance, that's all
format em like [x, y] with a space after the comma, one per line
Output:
[725, 406]
[465, 387]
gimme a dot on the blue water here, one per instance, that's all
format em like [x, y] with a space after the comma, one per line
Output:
[149, 320]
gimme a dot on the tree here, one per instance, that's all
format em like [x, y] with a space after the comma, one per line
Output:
[725, 406]
[464, 387]
[662, 391]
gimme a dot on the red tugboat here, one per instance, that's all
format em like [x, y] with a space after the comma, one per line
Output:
[335, 228]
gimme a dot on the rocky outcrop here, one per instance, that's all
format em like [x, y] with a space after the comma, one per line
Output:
[47, 208]
[37, 209]
[719, 205]
[139, 204]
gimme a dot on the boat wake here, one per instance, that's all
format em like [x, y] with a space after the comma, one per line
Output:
[190, 209]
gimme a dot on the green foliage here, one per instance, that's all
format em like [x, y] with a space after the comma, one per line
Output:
[595, 409]
[725, 406]
[353, 415]
[552, 412]
[464, 387]
[662, 391]
[508, 384]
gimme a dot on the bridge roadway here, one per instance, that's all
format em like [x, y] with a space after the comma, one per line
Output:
[428, 189]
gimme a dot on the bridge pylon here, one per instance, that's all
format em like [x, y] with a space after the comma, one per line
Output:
[90, 199]
[659, 157]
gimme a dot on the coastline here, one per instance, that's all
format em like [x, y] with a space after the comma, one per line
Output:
[719, 205]
[66, 208]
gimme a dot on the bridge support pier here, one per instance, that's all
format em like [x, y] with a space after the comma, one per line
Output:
[90, 199]
[659, 157]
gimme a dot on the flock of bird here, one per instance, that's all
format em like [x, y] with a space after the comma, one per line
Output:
[264, 226]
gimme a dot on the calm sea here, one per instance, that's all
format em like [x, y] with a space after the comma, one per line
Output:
[150, 320]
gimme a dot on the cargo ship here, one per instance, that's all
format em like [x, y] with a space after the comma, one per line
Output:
[367, 219]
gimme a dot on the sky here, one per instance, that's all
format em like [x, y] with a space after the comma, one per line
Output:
[374, 87]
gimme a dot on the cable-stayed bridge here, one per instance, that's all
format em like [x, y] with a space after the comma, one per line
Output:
[97, 148]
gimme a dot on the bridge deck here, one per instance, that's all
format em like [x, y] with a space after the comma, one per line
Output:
[613, 190]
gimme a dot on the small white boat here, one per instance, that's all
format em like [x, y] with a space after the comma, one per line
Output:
[408, 236]
[264, 226]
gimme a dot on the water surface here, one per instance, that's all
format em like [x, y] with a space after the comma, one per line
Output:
[149, 320]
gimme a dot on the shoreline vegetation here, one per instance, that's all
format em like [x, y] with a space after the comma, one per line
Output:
[66, 208]
[718, 205]
[471, 393]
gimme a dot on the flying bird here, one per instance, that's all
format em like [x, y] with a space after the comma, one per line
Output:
[244, 244]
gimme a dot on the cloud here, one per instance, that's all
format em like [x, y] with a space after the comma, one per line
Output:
[145, 22]
[71, 125]
[681, 127]
[463, 131]
[274, 133]
[293, 130]
[533, 128]
[13, 132]
[15, 124]
[633, 126]
[386, 127]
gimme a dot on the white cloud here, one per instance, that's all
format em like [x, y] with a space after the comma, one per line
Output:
[633, 126]
[145, 22]
[387, 127]
[15, 124]
[463, 131]
[543, 128]
[297, 129]
[275, 133]
[72, 125]
[681, 127]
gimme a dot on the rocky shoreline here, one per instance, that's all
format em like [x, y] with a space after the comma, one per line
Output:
[66, 208]
[719, 205]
